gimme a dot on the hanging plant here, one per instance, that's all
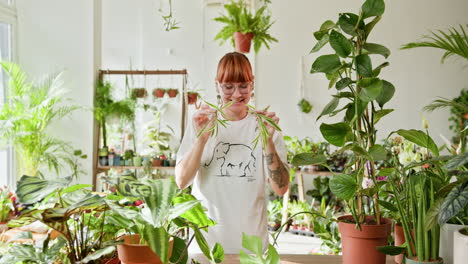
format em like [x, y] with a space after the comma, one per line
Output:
[304, 106]
[169, 21]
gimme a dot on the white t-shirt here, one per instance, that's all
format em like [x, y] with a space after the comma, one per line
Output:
[231, 182]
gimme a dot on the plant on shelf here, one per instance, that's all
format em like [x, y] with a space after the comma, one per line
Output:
[349, 69]
[166, 213]
[326, 228]
[106, 107]
[242, 26]
[159, 92]
[158, 138]
[30, 110]
[274, 209]
[172, 92]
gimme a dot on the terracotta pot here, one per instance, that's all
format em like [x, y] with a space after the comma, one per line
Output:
[131, 252]
[360, 246]
[460, 247]
[115, 260]
[242, 41]
[446, 246]
[415, 261]
[139, 92]
[400, 240]
[157, 162]
[158, 92]
[172, 93]
[192, 98]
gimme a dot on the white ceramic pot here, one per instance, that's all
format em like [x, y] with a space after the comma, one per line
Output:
[460, 247]
[446, 241]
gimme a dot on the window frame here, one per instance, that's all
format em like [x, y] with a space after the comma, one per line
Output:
[8, 15]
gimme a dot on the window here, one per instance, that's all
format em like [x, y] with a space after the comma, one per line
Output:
[7, 24]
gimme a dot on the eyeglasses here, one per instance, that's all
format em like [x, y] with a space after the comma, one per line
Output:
[230, 88]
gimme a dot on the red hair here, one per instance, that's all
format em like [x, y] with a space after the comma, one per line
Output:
[234, 67]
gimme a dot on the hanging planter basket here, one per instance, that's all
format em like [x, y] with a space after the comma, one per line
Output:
[158, 92]
[243, 41]
[172, 93]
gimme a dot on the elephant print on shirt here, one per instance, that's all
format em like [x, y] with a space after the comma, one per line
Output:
[232, 160]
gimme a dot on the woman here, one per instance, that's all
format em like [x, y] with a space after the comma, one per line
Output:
[227, 172]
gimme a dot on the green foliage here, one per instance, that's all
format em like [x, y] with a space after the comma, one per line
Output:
[255, 245]
[26, 117]
[106, 107]
[454, 42]
[304, 106]
[361, 91]
[274, 209]
[240, 19]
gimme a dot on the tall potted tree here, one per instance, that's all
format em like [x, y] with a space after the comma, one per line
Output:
[349, 69]
[242, 26]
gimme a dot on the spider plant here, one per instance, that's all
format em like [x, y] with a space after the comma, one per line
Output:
[262, 120]
[24, 119]
[219, 115]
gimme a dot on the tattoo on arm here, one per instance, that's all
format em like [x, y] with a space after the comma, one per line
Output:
[277, 173]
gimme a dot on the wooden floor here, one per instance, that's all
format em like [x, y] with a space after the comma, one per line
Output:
[289, 259]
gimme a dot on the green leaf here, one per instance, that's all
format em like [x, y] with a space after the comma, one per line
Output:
[378, 152]
[21, 235]
[218, 253]
[388, 90]
[392, 250]
[326, 64]
[158, 240]
[432, 215]
[373, 48]
[455, 202]
[324, 28]
[252, 243]
[359, 151]
[249, 259]
[343, 83]
[381, 113]
[376, 71]
[373, 8]
[177, 250]
[389, 206]
[343, 186]
[308, 159]
[98, 254]
[330, 107]
[340, 44]
[419, 138]
[304, 106]
[195, 215]
[319, 45]
[348, 22]
[372, 88]
[32, 189]
[364, 65]
[335, 133]
[351, 110]
[272, 255]
[457, 161]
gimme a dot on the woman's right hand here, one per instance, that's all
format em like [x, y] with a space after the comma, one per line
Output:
[202, 119]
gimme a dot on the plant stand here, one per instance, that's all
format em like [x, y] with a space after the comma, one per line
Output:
[183, 112]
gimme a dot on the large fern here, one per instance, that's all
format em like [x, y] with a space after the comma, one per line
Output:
[26, 116]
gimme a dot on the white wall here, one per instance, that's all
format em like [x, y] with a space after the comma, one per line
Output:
[56, 35]
[417, 74]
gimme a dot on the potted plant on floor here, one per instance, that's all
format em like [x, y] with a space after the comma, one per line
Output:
[165, 214]
[26, 118]
[242, 26]
[349, 69]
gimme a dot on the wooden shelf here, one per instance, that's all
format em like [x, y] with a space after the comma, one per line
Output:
[106, 168]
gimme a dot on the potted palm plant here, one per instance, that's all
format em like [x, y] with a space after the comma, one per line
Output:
[242, 26]
[25, 119]
[349, 69]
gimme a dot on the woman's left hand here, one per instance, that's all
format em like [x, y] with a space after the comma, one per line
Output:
[270, 128]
